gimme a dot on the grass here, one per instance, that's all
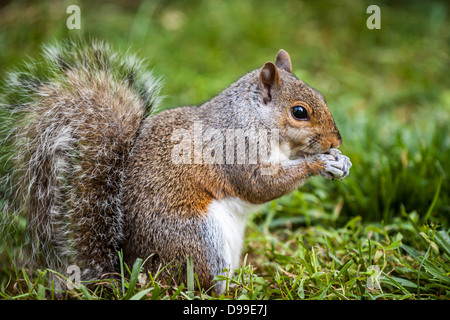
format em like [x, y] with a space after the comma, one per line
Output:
[317, 262]
[389, 92]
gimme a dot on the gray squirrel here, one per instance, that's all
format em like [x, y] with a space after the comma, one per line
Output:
[97, 170]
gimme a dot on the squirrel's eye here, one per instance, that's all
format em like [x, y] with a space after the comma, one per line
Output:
[300, 113]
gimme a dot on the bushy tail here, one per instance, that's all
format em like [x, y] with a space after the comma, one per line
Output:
[75, 116]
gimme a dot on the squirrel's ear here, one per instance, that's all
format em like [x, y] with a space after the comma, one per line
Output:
[268, 77]
[284, 61]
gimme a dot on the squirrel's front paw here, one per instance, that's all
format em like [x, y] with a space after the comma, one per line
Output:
[337, 166]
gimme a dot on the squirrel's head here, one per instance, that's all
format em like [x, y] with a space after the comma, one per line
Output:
[301, 113]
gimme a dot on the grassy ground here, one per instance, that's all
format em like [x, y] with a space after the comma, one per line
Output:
[383, 232]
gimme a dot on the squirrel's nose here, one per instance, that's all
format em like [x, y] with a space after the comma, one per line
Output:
[337, 141]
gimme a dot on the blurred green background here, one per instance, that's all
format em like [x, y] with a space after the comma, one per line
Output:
[388, 89]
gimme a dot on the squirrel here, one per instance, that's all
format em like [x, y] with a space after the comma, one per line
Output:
[96, 169]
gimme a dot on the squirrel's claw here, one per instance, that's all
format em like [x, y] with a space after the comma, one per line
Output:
[337, 166]
[334, 152]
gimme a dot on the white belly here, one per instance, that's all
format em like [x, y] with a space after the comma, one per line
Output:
[230, 215]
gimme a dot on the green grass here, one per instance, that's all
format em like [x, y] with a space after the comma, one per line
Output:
[317, 262]
[388, 90]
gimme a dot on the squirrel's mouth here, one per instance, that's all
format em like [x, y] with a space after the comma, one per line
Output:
[312, 147]
[302, 152]
[308, 153]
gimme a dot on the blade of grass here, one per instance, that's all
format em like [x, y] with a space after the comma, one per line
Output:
[41, 292]
[324, 292]
[344, 268]
[121, 271]
[433, 203]
[141, 294]
[443, 240]
[85, 292]
[133, 278]
[418, 271]
[190, 277]
[177, 292]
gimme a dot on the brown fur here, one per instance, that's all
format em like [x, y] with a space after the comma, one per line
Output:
[98, 176]
[161, 197]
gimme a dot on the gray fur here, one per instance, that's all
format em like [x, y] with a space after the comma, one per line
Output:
[74, 119]
[93, 171]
